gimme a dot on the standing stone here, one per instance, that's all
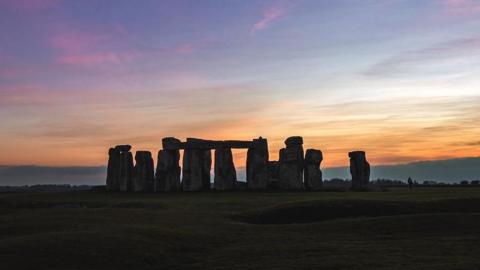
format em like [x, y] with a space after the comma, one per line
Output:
[206, 156]
[196, 169]
[113, 170]
[119, 168]
[291, 164]
[257, 164]
[359, 169]
[313, 174]
[143, 172]
[225, 173]
[273, 174]
[167, 175]
[125, 171]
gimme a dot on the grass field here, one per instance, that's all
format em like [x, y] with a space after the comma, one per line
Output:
[425, 228]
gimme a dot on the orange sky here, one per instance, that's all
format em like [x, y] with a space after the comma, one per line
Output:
[401, 130]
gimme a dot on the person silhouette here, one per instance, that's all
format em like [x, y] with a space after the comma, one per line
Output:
[410, 182]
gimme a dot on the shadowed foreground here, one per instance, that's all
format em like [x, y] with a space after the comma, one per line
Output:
[426, 228]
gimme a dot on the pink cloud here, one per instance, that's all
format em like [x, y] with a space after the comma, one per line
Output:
[75, 41]
[93, 59]
[272, 14]
[187, 48]
[28, 5]
[91, 49]
[462, 7]
[15, 72]
[37, 95]
[184, 48]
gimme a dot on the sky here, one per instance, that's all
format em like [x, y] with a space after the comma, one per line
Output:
[399, 79]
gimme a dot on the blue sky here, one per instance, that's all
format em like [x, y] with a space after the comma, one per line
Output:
[396, 78]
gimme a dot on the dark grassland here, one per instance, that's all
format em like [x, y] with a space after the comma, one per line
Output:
[425, 228]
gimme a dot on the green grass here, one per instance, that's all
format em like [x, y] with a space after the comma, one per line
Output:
[425, 228]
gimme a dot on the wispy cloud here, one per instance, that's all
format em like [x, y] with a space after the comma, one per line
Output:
[455, 51]
[74, 41]
[462, 7]
[272, 14]
[89, 49]
[10, 73]
[28, 5]
[468, 143]
[184, 48]
[95, 59]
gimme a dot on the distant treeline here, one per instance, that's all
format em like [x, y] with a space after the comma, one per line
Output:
[338, 182]
[47, 188]
[439, 171]
[335, 183]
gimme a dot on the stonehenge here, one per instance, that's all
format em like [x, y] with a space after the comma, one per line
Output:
[291, 164]
[359, 169]
[272, 174]
[225, 173]
[292, 171]
[143, 172]
[120, 168]
[167, 175]
[257, 164]
[112, 170]
[313, 174]
[196, 169]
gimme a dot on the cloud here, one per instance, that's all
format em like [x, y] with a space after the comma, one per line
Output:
[462, 7]
[95, 59]
[272, 14]
[10, 73]
[41, 97]
[29, 5]
[468, 143]
[457, 51]
[184, 48]
[90, 49]
[71, 41]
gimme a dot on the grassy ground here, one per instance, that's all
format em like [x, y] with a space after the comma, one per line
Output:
[426, 228]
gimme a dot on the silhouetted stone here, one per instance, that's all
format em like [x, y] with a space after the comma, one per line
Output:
[206, 167]
[143, 172]
[359, 169]
[294, 141]
[171, 143]
[125, 171]
[196, 169]
[291, 164]
[194, 143]
[167, 175]
[120, 168]
[257, 164]
[236, 144]
[225, 173]
[313, 174]
[273, 174]
[113, 170]
[123, 148]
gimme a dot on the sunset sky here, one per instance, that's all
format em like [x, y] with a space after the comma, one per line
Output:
[399, 79]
